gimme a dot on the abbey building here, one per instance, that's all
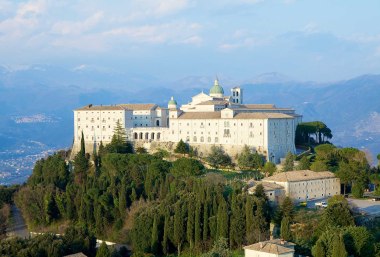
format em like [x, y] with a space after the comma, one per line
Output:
[209, 119]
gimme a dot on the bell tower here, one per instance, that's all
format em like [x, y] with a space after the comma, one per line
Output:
[237, 95]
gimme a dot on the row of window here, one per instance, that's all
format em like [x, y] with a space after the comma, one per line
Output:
[103, 120]
[92, 127]
[307, 197]
[226, 124]
[97, 112]
[202, 139]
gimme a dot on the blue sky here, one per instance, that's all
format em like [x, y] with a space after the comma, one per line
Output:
[320, 40]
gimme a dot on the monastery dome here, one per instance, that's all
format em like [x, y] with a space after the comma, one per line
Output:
[172, 103]
[216, 90]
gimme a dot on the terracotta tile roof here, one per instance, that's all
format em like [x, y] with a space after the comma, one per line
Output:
[133, 107]
[91, 107]
[200, 115]
[76, 255]
[258, 106]
[213, 102]
[299, 175]
[216, 115]
[269, 247]
[268, 186]
[137, 107]
[262, 115]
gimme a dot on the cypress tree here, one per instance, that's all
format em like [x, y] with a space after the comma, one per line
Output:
[190, 224]
[222, 220]
[249, 220]
[81, 164]
[103, 251]
[289, 162]
[318, 250]
[197, 223]
[338, 247]
[205, 222]
[166, 233]
[154, 240]
[82, 146]
[122, 199]
[287, 208]
[285, 232]
[237, 228]
[178, 236]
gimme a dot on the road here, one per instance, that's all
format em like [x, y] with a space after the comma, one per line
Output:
[367, 206]
[17, 226]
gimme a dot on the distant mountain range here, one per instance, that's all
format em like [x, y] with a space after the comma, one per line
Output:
[37, 101]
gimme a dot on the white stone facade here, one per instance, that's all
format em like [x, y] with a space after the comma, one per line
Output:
[209, 119]
[304, 185]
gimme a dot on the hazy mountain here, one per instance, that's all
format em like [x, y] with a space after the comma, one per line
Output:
[37, 102]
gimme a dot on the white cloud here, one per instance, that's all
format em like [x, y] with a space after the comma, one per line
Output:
[142, 9]
[70, 27]
[246, 42]
[174, 32]
[31, 8]
[193, 40]
[289, 1]
[310, 28]
[360, 38]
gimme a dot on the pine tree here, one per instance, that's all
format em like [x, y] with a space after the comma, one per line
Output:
[269, 169]
[285, 232]
[338, 247]
[182, 148]
[304, 164]
[119, 133]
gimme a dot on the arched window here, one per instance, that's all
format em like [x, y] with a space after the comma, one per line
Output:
[158, 136]
[141, 135]
[195, 139]
[152, 136]
[136, 136]
[157, 123]
[202, 139]
[237, 93]
[146, 136]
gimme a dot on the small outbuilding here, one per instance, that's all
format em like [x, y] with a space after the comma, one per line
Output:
[270, 248]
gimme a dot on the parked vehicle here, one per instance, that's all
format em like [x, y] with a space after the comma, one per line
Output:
[321, 204]
[303, 204]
